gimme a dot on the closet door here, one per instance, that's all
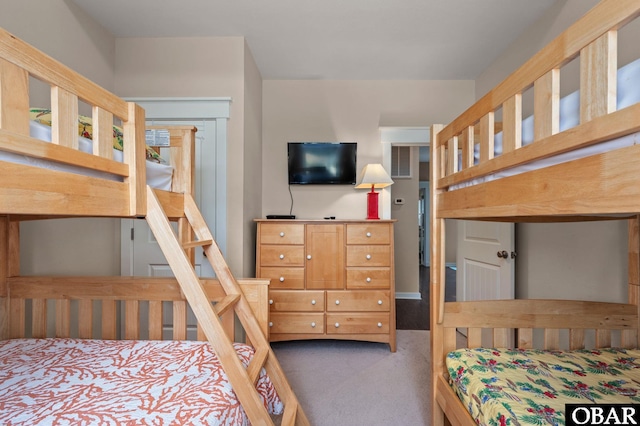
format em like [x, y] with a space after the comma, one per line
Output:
[140, 254]
[485, 264]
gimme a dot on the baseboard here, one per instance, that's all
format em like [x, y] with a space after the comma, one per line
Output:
[408, 295]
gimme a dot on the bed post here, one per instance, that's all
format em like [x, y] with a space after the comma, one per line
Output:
[437, 272]
[134, 157]
[634, 275]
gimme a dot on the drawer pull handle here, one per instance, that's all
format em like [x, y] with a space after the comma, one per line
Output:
[281, 279]
[313, 302]
[271, 301]
[368, 257]
[368, 279]
[379, 325]
[337, 324]
[270, 324]
[337, 302]
[313, 325]
[379, 302]
[282, 234]
[368, 234]
[308, 257]
[282, 256]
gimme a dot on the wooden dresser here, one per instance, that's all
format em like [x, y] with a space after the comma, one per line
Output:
[330, 279]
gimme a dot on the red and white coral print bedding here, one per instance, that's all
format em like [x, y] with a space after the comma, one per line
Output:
[116, 382]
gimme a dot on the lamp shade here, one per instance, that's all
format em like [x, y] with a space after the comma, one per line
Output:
[374, 175]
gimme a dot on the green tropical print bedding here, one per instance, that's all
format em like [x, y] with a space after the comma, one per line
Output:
[531, 387]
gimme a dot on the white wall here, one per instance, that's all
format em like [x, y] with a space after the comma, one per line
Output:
[316, 110]
[206, 67]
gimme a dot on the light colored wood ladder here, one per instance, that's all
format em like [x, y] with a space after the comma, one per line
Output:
[242, 379]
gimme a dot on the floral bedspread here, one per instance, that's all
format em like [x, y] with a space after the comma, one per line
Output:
[522, 387]
[85, 129]
[118, 382]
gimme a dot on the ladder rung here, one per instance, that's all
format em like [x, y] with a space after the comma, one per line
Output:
[227, 302]
[255, 366]
[199, 243]
[290, 411]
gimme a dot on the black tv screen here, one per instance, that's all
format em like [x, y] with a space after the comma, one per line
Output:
[322, 163]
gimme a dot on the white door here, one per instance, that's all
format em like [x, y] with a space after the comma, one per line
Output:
[140, 254]
[485, 260]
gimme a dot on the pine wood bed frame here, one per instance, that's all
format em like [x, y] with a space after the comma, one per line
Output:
[28, 192]
[598, 186]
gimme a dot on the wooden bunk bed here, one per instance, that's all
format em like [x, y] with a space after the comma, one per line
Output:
[104, 309]
[474, 179]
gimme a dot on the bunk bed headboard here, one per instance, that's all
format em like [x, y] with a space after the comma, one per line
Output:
[116, 307]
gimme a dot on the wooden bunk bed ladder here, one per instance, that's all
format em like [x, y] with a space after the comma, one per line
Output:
[242, 379]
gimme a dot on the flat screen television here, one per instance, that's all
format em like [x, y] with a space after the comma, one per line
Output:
[322, 163]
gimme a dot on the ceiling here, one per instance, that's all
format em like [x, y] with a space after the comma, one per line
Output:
[338, 39]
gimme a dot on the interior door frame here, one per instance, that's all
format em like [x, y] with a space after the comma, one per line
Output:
[187, 109]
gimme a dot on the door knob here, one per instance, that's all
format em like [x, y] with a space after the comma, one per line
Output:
[503, 254]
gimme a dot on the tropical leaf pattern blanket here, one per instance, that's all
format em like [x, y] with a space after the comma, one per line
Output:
[531, 387]
[120, 382]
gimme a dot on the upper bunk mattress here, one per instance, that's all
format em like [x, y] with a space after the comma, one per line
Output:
[531, 387]
[74, 381]
[158, 175]
[628, 93]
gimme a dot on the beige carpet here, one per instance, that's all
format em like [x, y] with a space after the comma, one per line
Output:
[345, 383]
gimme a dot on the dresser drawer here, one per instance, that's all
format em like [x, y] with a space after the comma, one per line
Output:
[296, 323]
[281, 255]
[284, 277]
[281, 233]
[296, 301]
[368, 256]
[345, 301]
[356, 323]
[367, 278]
[369, 233]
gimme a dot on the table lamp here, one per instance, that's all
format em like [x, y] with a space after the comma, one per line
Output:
[374, 176]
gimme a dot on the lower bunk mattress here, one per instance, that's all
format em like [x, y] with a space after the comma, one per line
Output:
[531, 387]
[114, 382]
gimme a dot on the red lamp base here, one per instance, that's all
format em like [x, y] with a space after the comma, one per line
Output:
[372, 205]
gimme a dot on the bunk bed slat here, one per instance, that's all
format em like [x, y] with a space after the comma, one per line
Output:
[64, 125]
[452, 155]
[179, 320]
[576, 338]
[546, 105]
[85, 311]
[109, 319]
[525, 337]
[598, 72]
[552, 339]
[14, 98]
[467, 145]
[487, 133]
[512, 123]
[102, 121]
[132, 319]
[63, 318]
[39, 318]
[155, 320]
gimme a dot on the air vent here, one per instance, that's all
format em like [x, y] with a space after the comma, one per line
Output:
[400, 161]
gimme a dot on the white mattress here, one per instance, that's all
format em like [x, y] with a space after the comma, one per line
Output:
[628, 93]
[158, 175]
